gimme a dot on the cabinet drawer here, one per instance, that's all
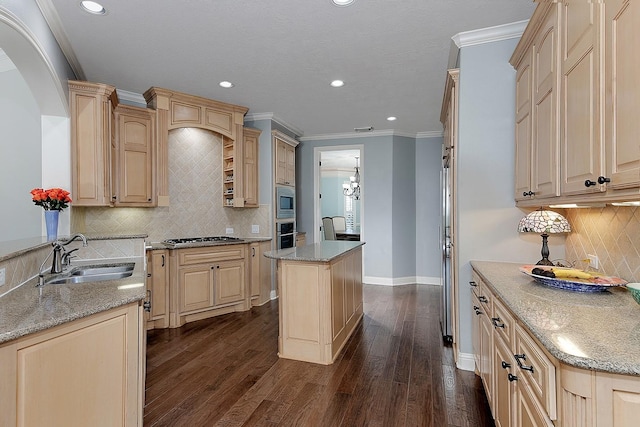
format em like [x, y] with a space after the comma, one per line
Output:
[210, 255]
[503, 322]
[536, 371]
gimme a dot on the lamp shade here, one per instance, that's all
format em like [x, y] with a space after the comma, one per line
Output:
[544, 221]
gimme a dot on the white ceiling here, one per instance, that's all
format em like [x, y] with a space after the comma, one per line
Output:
[282, 54]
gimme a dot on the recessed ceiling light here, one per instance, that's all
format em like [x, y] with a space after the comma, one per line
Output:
[391, 118]
[93, 7]
[337, 83]
[226, 84]
[342, 2]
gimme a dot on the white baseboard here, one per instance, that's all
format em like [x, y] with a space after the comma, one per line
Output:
[273, 295]
[399, 281]
[466, 362]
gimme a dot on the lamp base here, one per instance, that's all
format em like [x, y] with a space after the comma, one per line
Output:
[545, 251]
[544, 261]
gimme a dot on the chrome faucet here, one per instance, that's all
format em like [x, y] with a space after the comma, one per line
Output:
[61, 258]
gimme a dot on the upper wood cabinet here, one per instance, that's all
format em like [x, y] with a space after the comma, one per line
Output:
[595, 156]
[285, 159]
[91, 106]
[622, 124]
[179, 110]
[250, 166]
[112, 149]
[133, 159]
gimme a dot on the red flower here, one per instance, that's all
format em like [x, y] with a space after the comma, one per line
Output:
[55, 199]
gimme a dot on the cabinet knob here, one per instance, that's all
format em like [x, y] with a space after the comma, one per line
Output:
[497, 323]
[473, 284]
[512, 377]
[505, 365]
[589, 183]
[482, 298]
[113, 197]
[603, 180]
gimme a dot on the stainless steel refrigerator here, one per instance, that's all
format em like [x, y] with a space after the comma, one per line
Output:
[446, 322]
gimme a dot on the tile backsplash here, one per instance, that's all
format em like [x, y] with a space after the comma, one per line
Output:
[612, 233]
[195, 197]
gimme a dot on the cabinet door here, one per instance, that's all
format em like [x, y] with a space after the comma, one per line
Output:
[582, 144]
[133, 157]
[523, 128]
[475, 329]
[281, 162]
[291, 165]
[623, 104]
[618, 400]
[196, 288]
[486, 356]
[505, 383]
[158, 284]
[229, 282]
[338, 297]
[545, 128]
[255, 270]
[250, 167]
[91, 120]
[528, 412]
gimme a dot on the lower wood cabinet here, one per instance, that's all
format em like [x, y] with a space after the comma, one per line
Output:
[208, 281]
[89, 372]
[527, 387]
[260, 273]
[158, 289]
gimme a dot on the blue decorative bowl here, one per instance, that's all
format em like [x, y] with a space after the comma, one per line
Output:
[634, 289]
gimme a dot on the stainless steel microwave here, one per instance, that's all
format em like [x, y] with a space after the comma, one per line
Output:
[285, 202]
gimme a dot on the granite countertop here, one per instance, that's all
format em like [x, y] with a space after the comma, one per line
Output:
[597, 331]
[160, 245]
[324, 251]
[28, 309]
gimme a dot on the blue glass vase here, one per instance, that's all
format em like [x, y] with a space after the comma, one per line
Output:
[51, 220]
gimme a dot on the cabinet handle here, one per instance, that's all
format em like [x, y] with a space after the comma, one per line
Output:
[253, 252]
[603, 180]
[528, 193]
[476, 308]
[473, 284]
[512, 377]
[478, 312]
[505, 365]
[113, 197]
[495, 321]
[148, 200]
[589, 183]
[148, 274]
[147, 304]
[520, 365]
[162, 260]
[482, 298]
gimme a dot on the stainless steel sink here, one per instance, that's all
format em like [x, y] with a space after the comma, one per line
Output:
[92, 273]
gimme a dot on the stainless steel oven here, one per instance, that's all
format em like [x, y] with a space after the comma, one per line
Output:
[285, 202]
[285, 234]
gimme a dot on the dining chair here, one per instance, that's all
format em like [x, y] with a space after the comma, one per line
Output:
[327, 227]
[339, 223]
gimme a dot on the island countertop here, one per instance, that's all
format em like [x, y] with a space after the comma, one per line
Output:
[596, 331]
[324, 251]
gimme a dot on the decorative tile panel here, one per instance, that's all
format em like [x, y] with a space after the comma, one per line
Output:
[195, 197]
[612, 233]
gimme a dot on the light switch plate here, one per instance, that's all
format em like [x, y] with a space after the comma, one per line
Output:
[593, 261]
[229, 230]
[255, 229]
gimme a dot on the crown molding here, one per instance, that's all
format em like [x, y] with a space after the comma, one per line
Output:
[5, 62]
[55, 25]
[131, 97]
[482, 36]
[270, 116]
[375, 133]
[431, 134]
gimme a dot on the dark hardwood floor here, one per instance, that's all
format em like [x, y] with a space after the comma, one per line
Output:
[394, 371]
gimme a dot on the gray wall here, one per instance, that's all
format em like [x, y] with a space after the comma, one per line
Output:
[487, 216]
[391, 202]
[21, 151]
[428, 162]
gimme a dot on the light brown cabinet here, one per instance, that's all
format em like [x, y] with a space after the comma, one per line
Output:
[301, 239]
[91, 106]
[209, 281]
[596, 97]
[133, 157]
[285, 159]
[260, 273]
[87, 372]
[158, 288]
[250, 166]
[112, 149]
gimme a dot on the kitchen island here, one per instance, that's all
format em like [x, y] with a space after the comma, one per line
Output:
[320, 289]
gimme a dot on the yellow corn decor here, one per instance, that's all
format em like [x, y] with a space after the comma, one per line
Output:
[571, 272]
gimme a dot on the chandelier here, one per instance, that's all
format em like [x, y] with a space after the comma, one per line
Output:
[353, 188]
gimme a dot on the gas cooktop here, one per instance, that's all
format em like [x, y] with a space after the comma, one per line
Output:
[199, 241]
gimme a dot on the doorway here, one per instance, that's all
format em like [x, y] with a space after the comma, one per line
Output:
[334, 184]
